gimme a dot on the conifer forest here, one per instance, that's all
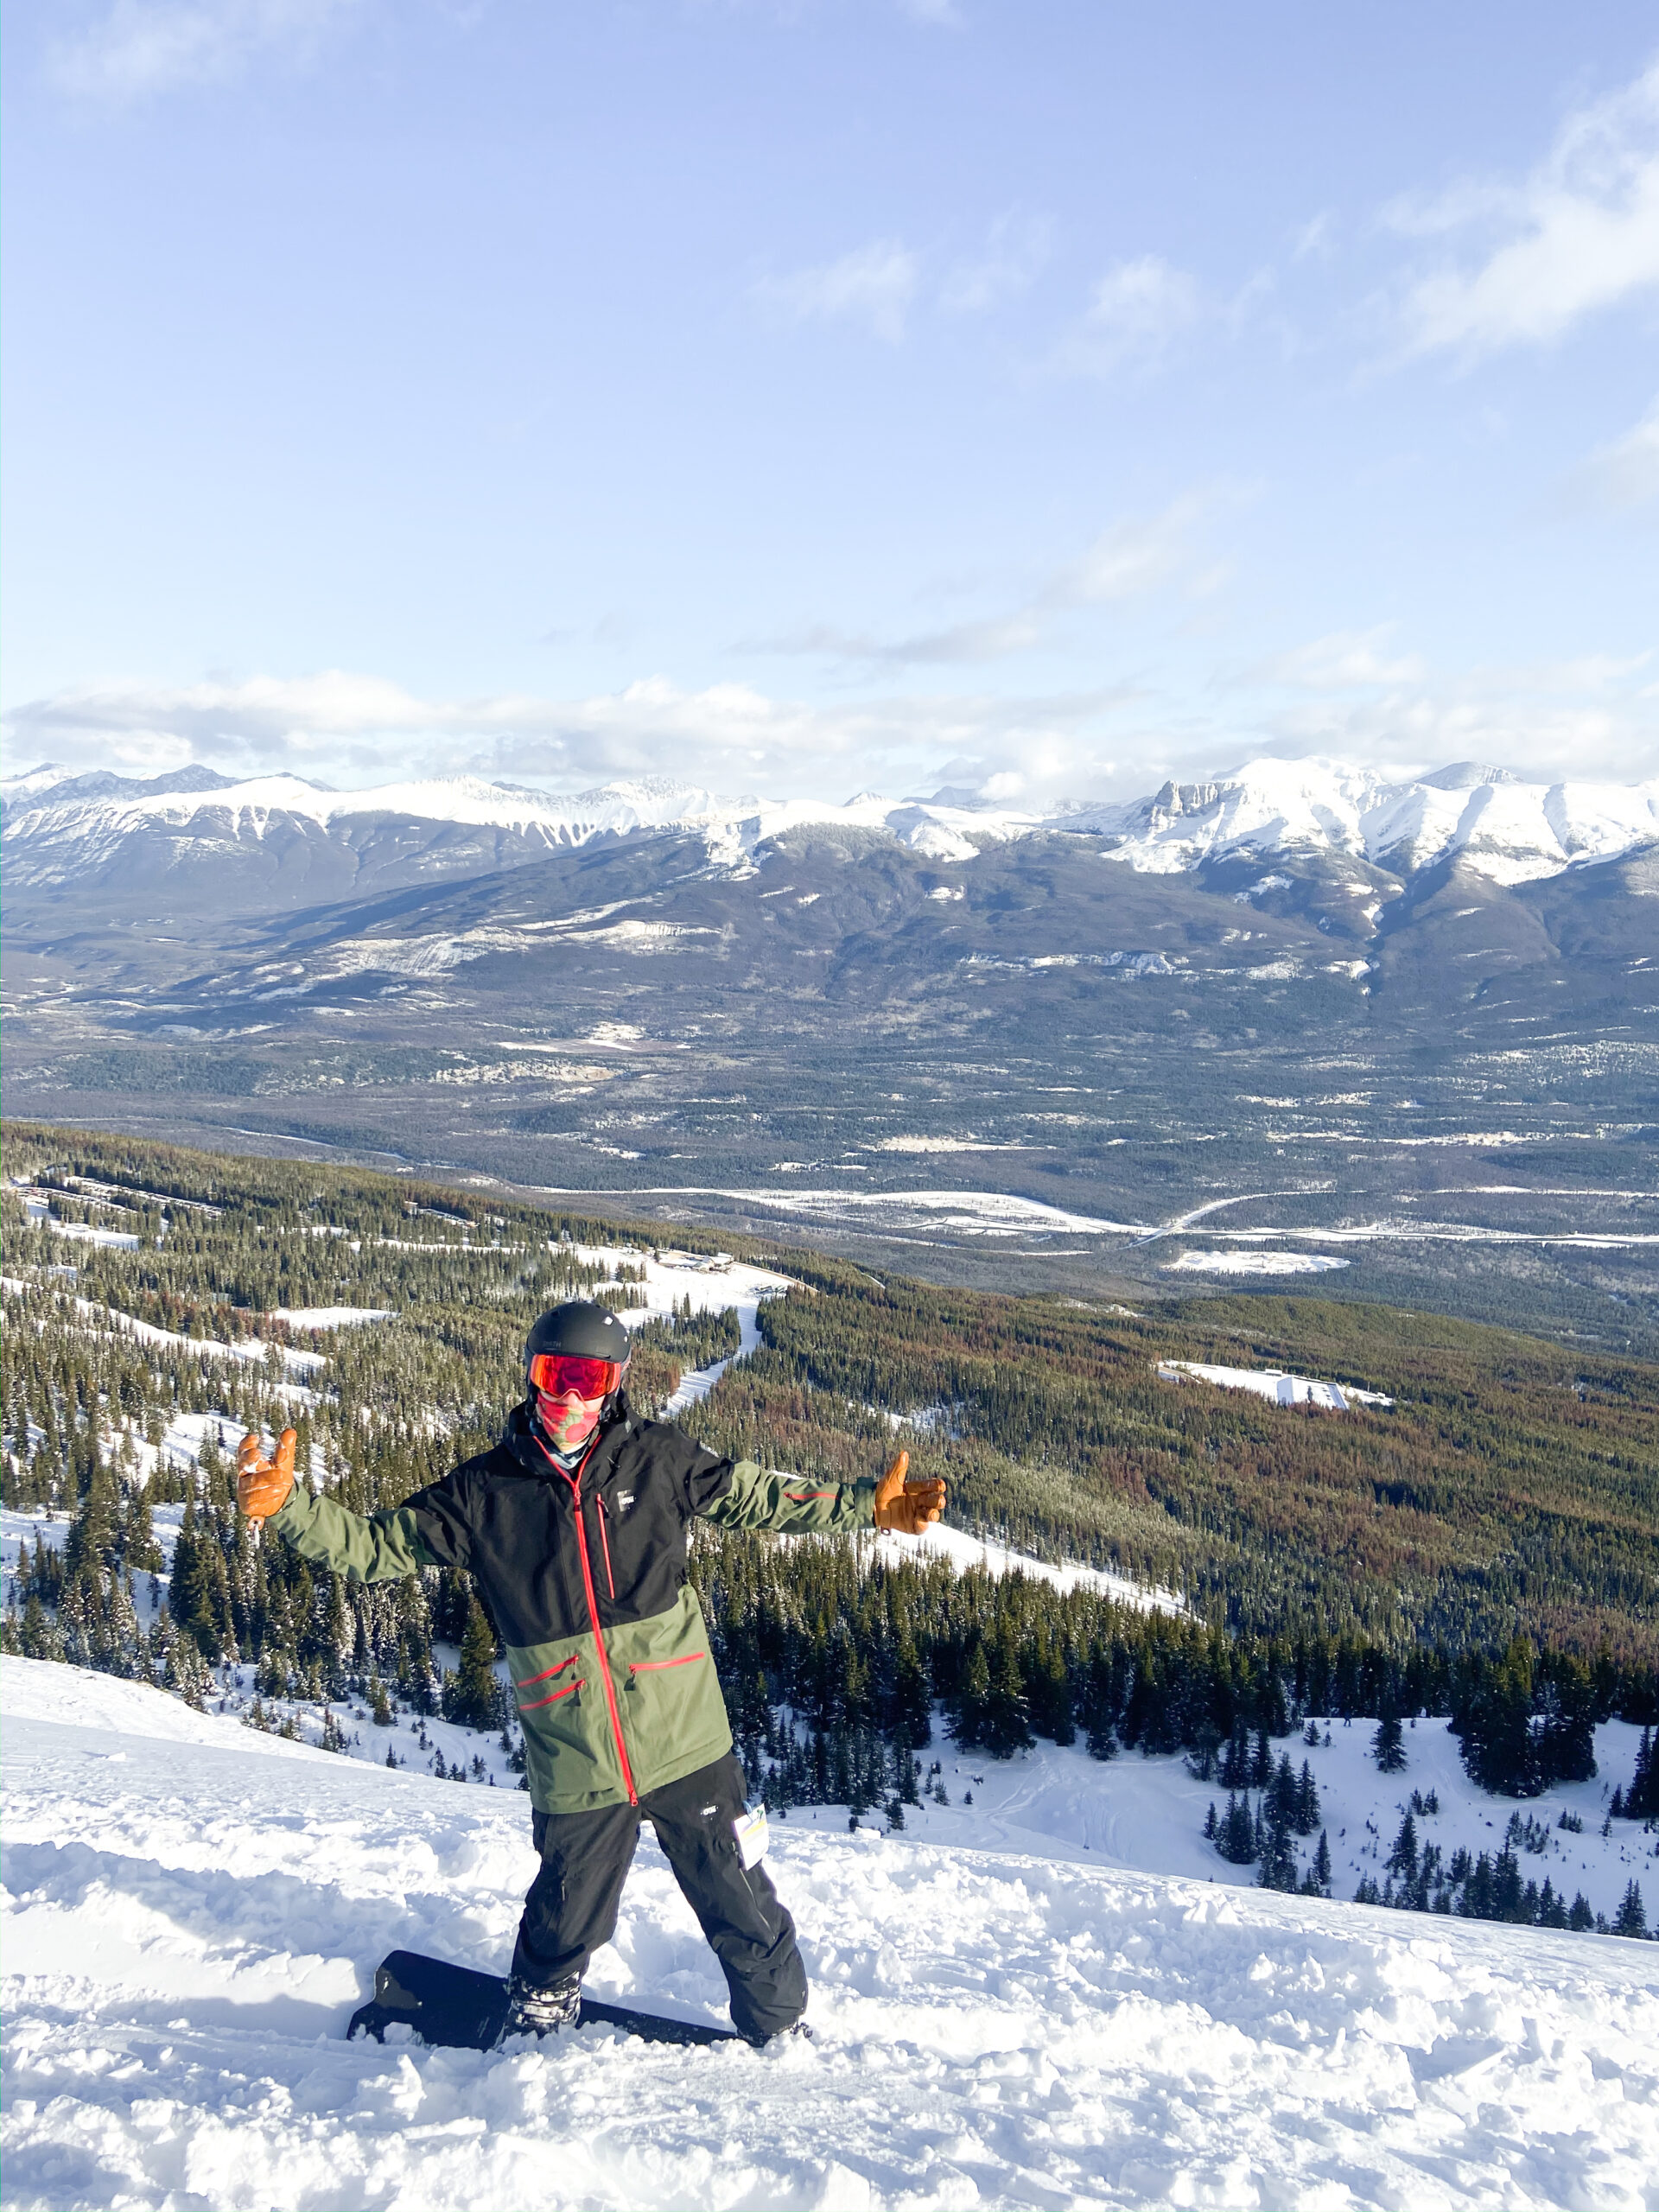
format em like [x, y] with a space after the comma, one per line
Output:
[1485, 1547]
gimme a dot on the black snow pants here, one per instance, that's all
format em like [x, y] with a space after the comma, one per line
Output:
[572, 1904]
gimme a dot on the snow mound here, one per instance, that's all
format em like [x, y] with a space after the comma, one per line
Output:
[188, 1929]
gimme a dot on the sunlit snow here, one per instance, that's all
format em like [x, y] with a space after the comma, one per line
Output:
[192, 1911]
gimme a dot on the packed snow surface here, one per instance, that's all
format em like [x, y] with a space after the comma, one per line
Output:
[1270, 1383]
[193, 1912]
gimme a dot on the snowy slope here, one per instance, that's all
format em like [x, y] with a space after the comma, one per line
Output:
[60, 826]
[52, 834]
[191, 1913]
[1502, 828]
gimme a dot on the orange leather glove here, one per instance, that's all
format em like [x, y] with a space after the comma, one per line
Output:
[262, 1485]
[907, 1507]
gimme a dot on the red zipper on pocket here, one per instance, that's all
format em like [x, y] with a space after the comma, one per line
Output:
[605, 1546]
[650, 1666]
[547, 1673]
[555, 1698]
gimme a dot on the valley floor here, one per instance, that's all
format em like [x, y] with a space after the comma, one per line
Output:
[193, 1909]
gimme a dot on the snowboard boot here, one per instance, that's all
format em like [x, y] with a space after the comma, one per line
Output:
[542, 2008]
[781, 2035]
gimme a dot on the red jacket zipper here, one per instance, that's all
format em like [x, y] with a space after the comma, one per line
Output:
[575, 1482]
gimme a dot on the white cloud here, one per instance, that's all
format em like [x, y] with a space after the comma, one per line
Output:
[1133, 556]
[141, 49]
[991, 639]
[1346, 660]
[1576, 236]
[1315, 239]
[1139, 307]
[1579, 719]
[1015, 252]
[1341, 696]
[1625, 473]
[873, 284]
[340, 726]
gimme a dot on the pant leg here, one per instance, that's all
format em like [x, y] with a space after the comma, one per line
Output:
[751, 1935]
[571, 1907]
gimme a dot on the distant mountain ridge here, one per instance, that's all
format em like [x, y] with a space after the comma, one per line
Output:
[62, 826]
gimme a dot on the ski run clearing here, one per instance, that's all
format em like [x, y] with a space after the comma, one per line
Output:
[1269, 1382]
[193, 1911]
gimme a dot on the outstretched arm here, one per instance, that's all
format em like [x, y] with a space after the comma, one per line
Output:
[376, 1547]
[757, 1499]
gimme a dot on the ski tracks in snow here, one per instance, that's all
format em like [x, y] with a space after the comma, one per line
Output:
[192, 1916]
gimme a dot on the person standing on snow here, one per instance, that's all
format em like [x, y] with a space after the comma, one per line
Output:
[575, 1528]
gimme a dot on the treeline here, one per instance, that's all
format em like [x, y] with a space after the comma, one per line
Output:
[1486, 1551]
[1514, 1486]
[1491, 1885]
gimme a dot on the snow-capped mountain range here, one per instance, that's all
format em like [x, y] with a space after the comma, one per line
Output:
[60, 825]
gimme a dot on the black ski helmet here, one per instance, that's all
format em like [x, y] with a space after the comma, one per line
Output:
[580, 1328]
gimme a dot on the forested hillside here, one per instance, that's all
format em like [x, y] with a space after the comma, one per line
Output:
[1486, 1546]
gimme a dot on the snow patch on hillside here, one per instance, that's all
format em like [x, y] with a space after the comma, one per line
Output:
[1254, 1263]
[250, 1351]
[1272, 1384]
[331, 1316]
[964, 1552]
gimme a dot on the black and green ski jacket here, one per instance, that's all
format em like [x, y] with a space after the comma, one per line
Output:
[585, 1576]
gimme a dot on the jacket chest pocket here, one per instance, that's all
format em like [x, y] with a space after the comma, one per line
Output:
[623, 1539]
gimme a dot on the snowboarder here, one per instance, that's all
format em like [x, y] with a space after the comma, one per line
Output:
[574, 1526]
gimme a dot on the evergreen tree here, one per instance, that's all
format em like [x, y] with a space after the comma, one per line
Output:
[1236, 1834]
[1632, 1918]
[1641, 1798]
[137, 1539]
[1403, 1858]
[1387, 1745]
[1006, 1727]
[473, 1695]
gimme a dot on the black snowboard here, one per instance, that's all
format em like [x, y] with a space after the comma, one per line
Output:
[454, 2006]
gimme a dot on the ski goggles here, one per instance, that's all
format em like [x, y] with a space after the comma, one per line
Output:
[558, 1374]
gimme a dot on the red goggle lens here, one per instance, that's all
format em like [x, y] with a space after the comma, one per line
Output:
[558, 1373]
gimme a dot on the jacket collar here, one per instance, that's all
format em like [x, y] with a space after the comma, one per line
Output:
[520, 1438]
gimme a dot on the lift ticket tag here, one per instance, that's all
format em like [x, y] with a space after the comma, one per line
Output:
[750, 1829]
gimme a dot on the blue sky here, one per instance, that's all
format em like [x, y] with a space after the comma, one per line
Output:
[1043, 397]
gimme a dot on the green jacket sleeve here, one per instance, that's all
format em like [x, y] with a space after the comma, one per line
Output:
[759, 1500]
[382, 1548]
